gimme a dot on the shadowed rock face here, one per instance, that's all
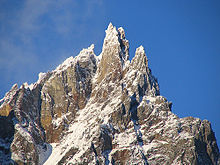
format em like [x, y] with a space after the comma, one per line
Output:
[100, 110]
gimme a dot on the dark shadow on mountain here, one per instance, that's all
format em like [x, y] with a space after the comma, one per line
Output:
[201, 148]
[38, 93]
[106, 141]
[134, 118]
[95, 152]
[7, 132]
[133, 108]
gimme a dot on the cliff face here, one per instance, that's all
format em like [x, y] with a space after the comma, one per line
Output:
[100, 110]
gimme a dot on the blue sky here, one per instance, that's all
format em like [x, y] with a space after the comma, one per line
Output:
[181, 38]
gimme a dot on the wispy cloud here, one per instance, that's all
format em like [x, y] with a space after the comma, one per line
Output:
[24, 26]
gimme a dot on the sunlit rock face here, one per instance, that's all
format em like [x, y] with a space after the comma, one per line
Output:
[100, 110]
[67, 91]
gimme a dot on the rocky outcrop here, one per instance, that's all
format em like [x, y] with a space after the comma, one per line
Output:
[22, 125]
[114, 55]
[100, 110]
[66, 92]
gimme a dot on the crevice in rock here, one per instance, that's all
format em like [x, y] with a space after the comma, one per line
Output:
[95, 152]
[137, 127]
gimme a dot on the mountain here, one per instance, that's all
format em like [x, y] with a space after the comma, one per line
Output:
[100, 110]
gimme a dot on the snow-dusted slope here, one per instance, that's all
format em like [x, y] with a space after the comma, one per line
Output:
[100, 110]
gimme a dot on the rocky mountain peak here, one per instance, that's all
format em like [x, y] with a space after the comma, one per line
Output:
[67, 63]
[140, 60]
[114, 53]
[111, 34]
[100, 110]
[86, 53]
[9, 95]
[87, 58]
[122, 33]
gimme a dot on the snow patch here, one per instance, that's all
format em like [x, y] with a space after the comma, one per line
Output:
[44, 152]
[149, 146]
[67, 63]
[41, 76]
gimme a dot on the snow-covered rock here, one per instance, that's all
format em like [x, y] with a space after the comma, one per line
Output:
[100, 110]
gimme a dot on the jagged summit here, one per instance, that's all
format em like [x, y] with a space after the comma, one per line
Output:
[111, 33]
[140, 60]
[100, 110]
